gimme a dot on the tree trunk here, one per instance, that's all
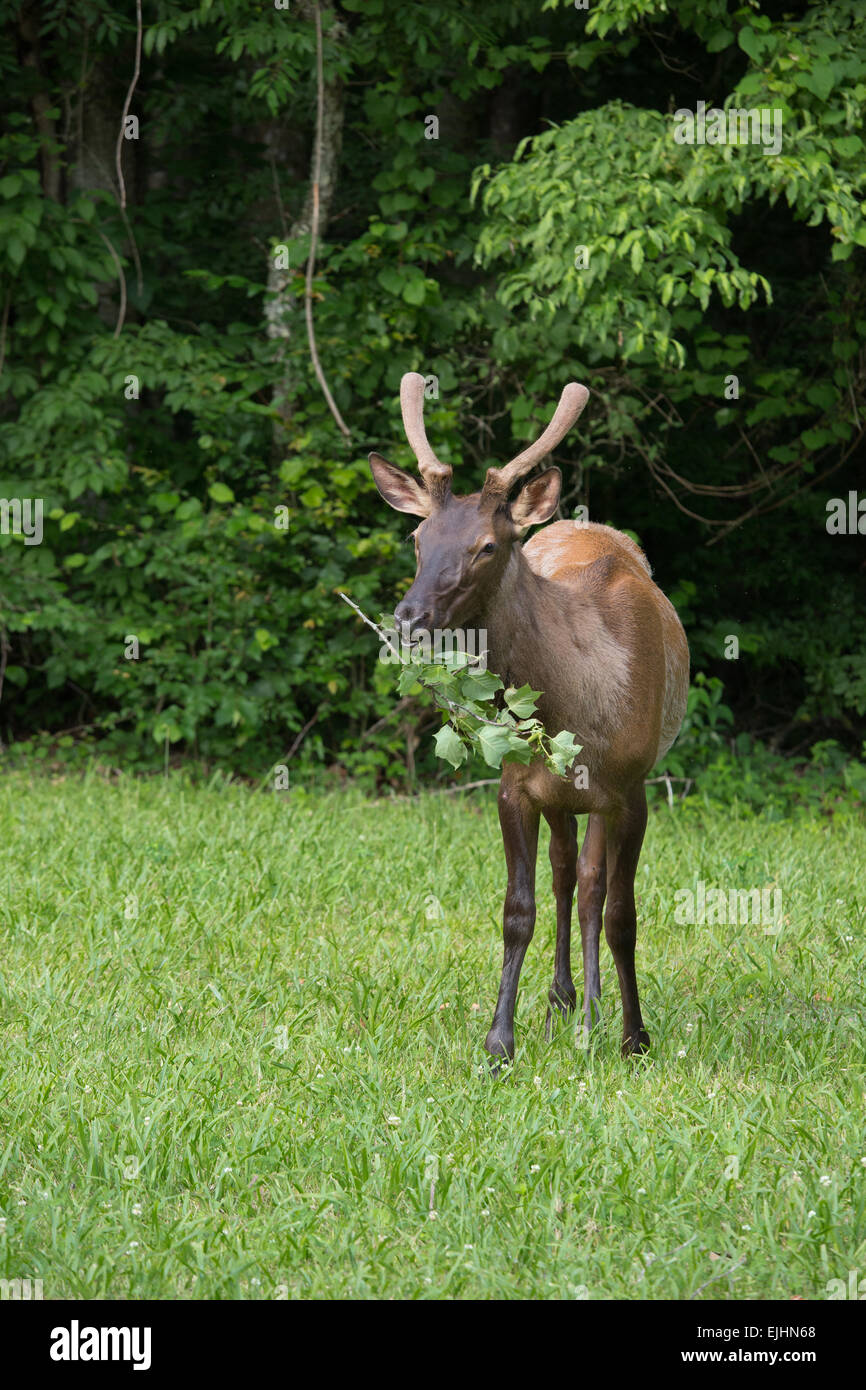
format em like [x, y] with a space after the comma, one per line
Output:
[28, 29]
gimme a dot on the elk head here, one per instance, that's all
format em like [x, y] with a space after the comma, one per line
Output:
[463, 544]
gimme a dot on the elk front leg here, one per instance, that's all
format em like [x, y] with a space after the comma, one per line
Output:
[591, 889]
[563, 862]
[519, 822]
[625, 832]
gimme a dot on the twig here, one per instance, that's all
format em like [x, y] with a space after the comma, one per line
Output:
[276, 180]
[301, 736]
[3, 327]
[721, 1275]
[441, 700]
[314, 230]
[650, 781]
[438, 791]
[287, 757]
[380, 723]
[465, 787]
[4, 656]
[121, 316]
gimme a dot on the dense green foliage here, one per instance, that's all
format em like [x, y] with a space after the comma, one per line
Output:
[198, 494]
[204, 1097]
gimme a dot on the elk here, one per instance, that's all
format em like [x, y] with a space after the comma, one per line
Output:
[573, 613]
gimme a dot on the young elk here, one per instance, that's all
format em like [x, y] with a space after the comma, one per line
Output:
[573, 613]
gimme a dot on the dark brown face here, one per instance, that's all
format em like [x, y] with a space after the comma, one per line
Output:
[462, 545]
[462, 550]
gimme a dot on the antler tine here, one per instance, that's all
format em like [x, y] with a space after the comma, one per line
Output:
[436, 475]
[574, 397]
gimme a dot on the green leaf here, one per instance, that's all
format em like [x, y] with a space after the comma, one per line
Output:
[818, 80]
[719, 39]
[522, 701]
[407, 682]
[495, 741]
[391, 279]
[848, 145]
[415, 290]
[220, 493]
[749, 43]
[480, 685]
[563, 750]
[450, 746]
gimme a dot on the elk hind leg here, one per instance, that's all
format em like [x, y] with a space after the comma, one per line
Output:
[591, 890]
[563, 862]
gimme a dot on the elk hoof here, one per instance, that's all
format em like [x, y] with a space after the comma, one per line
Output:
[501, 1053]
[561, 1004]
[636, 1045]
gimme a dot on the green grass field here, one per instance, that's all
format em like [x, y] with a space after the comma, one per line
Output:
[241, 1038]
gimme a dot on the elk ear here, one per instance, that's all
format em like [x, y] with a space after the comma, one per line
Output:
[399, 489]
[538, 500]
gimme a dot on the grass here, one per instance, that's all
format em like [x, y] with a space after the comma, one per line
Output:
[241, 1037]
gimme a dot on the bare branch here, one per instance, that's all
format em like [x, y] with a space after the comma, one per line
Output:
[126, 105]
[314, 230]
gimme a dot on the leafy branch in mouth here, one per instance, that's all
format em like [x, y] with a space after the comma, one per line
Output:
[463, 688]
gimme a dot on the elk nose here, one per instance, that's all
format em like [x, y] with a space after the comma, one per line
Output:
[412, 614]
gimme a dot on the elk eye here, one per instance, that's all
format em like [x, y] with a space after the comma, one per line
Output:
[488, 549]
